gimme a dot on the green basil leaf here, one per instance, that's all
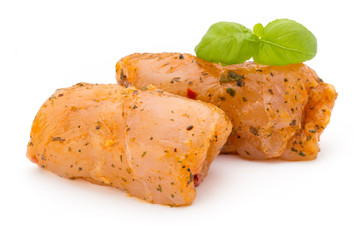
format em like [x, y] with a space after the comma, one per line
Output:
[283, 42]
[258, 30]
[227, 43]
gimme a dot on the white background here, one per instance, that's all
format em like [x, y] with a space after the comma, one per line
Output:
[45, 45]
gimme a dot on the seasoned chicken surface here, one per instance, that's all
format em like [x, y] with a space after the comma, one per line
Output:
[154, 145]
[276, 111]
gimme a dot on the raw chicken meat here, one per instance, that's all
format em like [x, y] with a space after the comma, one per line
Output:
[154, 145]
[276, 111]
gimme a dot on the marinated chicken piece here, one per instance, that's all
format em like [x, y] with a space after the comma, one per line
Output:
[154, 145]
[276, 111]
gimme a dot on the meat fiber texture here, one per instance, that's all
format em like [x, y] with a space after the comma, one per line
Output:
[154, 145]
[277, 112]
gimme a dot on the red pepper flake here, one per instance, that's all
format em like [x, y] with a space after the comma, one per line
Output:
[197, 180]
[191, 94]
[34, 160]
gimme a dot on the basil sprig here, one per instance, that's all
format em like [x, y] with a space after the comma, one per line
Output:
[228, 43]
[284, 41]
[280, 42]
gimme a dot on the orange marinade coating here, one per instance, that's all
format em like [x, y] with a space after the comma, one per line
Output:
[154, 145]
[277, 112]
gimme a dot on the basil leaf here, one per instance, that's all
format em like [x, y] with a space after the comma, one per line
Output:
[227, 43]
[258, 30]
[283, 42]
